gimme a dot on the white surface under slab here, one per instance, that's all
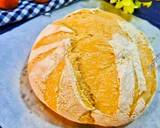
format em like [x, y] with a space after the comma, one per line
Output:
[14, 49]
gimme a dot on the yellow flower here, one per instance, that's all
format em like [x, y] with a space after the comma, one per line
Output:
[128, 9]
[147, 4]
[113, 1]
[128, 6]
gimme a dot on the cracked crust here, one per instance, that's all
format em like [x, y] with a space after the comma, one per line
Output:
[92, 67]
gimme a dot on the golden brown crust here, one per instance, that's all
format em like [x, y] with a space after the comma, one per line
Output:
[92, 67]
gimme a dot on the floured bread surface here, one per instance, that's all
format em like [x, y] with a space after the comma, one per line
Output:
[93, 67]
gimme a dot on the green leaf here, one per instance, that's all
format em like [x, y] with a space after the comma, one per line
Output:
[137, 4]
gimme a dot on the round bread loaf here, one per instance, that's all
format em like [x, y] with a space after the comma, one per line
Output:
[93, 67]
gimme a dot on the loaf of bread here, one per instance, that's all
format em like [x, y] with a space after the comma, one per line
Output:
[93, 67]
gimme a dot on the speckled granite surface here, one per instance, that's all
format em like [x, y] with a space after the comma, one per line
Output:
[14, 49]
